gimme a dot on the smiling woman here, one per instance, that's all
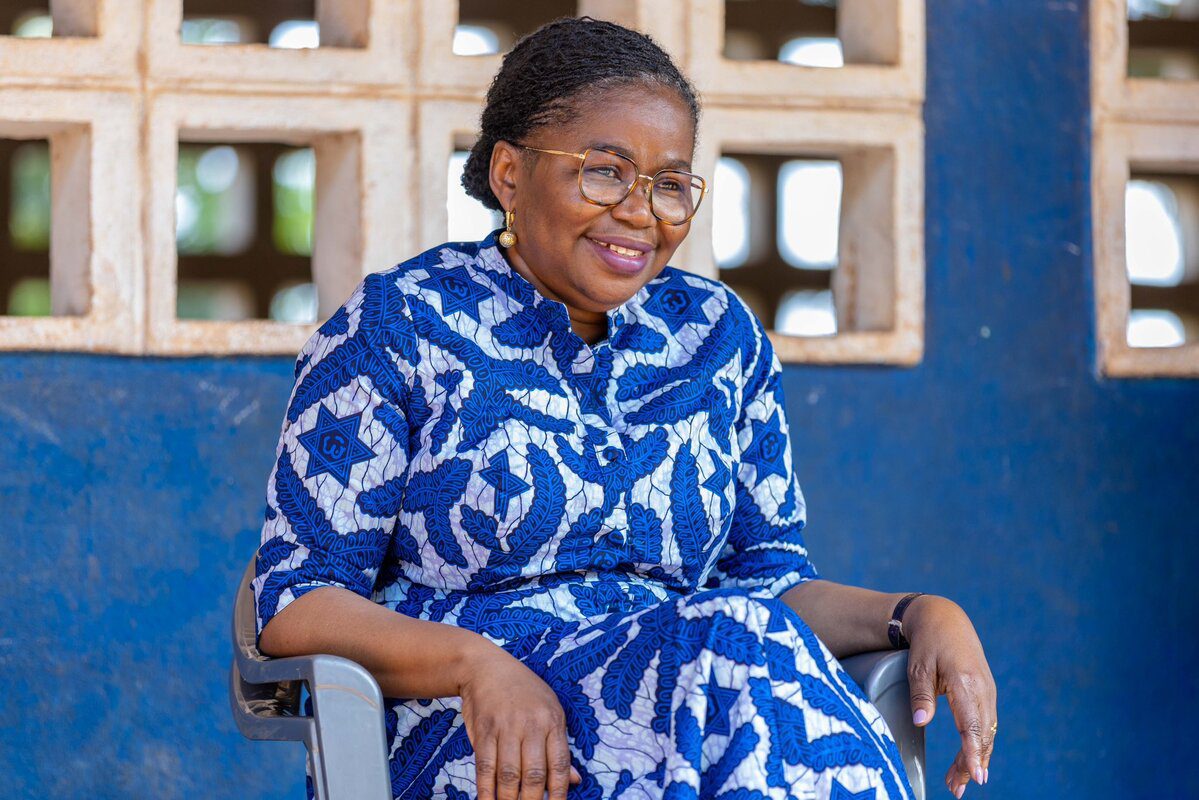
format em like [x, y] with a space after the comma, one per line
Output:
[544, 491]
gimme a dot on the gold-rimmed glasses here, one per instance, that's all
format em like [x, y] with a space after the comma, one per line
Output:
[606, 178]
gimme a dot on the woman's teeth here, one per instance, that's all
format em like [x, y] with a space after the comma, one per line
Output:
[624, 251]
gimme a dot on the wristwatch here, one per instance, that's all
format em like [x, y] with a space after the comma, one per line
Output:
[895, 626]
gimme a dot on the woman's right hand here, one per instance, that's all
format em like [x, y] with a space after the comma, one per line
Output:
[517, 728]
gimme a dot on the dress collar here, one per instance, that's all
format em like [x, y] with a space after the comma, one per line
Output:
[555, 311]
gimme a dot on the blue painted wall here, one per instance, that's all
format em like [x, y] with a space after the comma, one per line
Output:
[1059, 509]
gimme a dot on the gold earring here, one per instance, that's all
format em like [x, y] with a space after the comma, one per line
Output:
[508, 238]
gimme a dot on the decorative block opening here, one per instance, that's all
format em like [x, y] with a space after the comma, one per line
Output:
[244, 231]
[806, 238]
[1163, 39]
[286, 24]
[25, 232]
[486, 27]
[32, 20]
[265, 230]
[817, 221]
[1161, 237]
[45, 238]
[812, 33]
[775, 237]
[468, 219]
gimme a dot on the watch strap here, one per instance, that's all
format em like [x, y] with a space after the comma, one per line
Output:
[895, 626]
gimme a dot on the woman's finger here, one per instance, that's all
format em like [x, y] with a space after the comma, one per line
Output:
[507, 770]
[533, 769]
[557, 757]
[958, 775]
[989, 718]
[922, 685]
[485, 767]
[964, 701]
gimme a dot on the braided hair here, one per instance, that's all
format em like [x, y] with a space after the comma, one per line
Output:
[550, 70]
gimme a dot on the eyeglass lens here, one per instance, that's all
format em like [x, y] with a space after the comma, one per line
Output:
[606, 178]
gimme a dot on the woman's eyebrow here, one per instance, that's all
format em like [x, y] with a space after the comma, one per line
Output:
[675, 163]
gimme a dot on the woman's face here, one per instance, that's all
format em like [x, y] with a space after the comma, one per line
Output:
[563, 240]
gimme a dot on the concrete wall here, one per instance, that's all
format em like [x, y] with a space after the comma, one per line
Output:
[1057, 507]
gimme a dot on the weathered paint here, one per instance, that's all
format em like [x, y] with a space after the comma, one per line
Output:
[1059, 509]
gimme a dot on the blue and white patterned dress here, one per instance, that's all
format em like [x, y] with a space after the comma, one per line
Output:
[620, 517]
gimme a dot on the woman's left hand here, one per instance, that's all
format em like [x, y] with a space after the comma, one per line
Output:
[947, 658]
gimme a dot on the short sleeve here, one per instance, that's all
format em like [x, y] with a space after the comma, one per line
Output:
[765, 547]
[334, 491]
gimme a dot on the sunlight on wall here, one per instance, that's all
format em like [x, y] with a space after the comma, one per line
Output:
[475, 40]
[1155, 328]
[1153, 238]
[813, 51]
[730, 213]
[806, 313]
[809, 213]
[296, 34]
[469, 220]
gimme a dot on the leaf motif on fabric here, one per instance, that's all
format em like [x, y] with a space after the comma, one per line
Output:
[688, 739]
[433, 494]
[742, 743]
[271, 553]
[525, 329]
[416, 749]
[385, 500]
[689, 524]
[308, 522]
[840, 749]
[735, 641]
[823, 698]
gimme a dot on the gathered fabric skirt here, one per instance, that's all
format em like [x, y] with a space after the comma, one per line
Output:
[722, 693]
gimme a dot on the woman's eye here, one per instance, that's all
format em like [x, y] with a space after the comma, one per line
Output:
[669, 186]
[605, 172]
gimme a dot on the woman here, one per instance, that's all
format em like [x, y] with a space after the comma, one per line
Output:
[541, 487]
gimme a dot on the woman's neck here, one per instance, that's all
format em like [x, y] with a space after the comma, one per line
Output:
[590, 326]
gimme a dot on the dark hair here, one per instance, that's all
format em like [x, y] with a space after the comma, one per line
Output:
[552, 67]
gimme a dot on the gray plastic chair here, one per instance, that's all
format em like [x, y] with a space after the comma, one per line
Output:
[346, 735]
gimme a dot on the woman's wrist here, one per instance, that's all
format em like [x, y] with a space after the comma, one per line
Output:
[472, 653]
[921, 613]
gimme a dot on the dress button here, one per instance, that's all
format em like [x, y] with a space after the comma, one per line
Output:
[611, 453]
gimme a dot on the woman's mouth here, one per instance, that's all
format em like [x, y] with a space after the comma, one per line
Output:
[624, 256]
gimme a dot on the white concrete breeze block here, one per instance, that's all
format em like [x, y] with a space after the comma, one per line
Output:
[363, 189]
[97, 280]
[1137, 124]
[382, 102]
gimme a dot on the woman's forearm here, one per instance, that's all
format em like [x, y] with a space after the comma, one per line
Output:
[410, 658]
[848, 619]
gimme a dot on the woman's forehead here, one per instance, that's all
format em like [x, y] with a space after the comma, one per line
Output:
[644, 123]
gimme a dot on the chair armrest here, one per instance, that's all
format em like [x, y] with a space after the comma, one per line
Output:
[883, 677]
[346, 735]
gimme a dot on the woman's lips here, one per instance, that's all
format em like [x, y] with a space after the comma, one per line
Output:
[629, 260]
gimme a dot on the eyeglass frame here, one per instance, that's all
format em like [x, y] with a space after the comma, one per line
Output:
[582, 157]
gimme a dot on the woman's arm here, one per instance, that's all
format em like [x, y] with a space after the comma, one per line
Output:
[412, 658]
[849, 619]
[513, 718]
[946, 658]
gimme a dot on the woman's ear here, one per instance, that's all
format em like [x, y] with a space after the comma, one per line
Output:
[505, 166]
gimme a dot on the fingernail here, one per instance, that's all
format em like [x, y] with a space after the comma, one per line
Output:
[986, 774]
[958, 793]
[920, 717]
[978, 775]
